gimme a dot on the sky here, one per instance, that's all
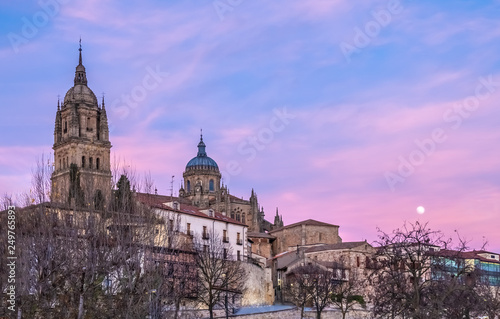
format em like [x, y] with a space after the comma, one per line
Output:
[353, 113]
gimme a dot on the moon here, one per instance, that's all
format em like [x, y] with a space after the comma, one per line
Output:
[420, 210]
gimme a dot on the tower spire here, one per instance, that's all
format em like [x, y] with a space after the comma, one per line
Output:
[80, 49]
[201, 146]
[80, 75]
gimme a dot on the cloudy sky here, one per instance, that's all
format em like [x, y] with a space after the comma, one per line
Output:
[349, 112]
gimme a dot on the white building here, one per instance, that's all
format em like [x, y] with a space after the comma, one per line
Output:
[200, 223]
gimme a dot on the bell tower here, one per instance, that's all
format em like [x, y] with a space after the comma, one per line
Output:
[82, 172]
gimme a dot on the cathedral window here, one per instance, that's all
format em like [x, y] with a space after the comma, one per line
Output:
[83, 161]
[90, 162]
[238, 216]
[60, 166]
[243, 218]
[97, 163]
[232, 214]
[211, 185]
[65, 127]
[189, 186]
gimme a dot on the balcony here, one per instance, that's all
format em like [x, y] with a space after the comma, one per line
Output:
[225, 239]
[239, 241]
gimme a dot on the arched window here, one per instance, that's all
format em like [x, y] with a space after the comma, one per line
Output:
[65, 127]
[243, 218]
[97, 163]
[83, 161]
[189, 186]
[90, 162]
[232, 214]
[238, 216]
[211, 185]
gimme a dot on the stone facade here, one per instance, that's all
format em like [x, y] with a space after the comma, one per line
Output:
[82, 172]
[308, 232]
[258, 286]
[203, 188]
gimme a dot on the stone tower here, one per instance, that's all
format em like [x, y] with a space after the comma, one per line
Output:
[82, 174]
[201, 179]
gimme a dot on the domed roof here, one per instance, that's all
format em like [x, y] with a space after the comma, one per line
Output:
[80, 94]
[202, 161]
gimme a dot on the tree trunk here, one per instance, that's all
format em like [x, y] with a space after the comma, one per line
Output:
[80, 307]
[318, 314]
[176, 314]
[211, 311]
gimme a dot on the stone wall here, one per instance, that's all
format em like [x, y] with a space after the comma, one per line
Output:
[301, 235]
[258, 287]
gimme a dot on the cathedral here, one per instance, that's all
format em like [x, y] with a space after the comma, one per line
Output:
[203, 188]
[82, 174]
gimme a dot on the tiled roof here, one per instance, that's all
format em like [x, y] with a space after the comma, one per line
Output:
[338, 246]
[260, 235]
[157, 201]
[308, 222]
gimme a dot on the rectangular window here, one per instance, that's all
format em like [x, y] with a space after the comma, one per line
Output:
[188, 229]
[90, 162]
[225, 253]
[205, 233]
[358, 262]
[83, 161]
[171, 225]
[97, 163]
[238, 255]
[224, 236]
[238, 239]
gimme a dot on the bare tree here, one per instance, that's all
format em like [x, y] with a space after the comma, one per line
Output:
[401, 283]
[419, 277]
[298, 288]
[350, 292]
[323, 282]
[220, 276]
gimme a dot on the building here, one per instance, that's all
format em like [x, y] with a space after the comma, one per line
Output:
[340, 258]
[307, 232]
[203, 188]
[82, 170]
[198, 223]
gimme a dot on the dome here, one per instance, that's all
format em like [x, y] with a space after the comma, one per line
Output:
[202, 161]
[80, 94]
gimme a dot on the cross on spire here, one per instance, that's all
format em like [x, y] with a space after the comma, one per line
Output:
[80, 49]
